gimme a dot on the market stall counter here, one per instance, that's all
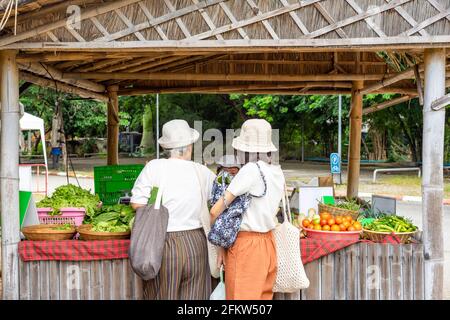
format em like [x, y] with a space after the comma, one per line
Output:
[341, 269]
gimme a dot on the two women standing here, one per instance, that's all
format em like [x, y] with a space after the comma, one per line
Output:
[250, 264]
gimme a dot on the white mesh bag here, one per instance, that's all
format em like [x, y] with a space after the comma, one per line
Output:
[291, 276]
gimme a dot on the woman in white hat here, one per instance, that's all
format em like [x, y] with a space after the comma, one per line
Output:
[250, 264]
[184, 272]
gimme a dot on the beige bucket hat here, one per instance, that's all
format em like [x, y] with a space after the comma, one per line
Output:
[255, 136]
[177, 134]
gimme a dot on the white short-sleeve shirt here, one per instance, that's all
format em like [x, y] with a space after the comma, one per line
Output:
[181, 193]
[261, 214]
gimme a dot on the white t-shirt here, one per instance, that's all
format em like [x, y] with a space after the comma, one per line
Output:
[261, 214]
[181, 194]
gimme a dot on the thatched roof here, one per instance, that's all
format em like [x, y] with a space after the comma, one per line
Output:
[285, 46]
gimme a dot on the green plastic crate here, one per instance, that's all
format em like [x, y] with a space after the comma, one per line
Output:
[113, 182]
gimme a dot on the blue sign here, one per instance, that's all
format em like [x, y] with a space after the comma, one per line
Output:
[335, 162]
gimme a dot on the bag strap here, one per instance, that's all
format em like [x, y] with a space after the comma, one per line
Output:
[286, 206]
[264, 181]
[162, 185]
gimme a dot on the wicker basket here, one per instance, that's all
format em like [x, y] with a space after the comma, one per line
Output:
[87, 234]
[378, 236]
[42, 232]
[337, 211]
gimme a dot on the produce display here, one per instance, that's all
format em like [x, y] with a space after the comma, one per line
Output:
[391, 224]
[328, 222]
[70, 196]
[115, 218]
[347, 205]
[66, 226]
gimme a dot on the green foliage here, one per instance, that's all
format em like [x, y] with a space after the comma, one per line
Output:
[115, 218]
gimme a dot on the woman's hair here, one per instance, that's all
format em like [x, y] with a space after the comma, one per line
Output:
[246, 157]
[176, 152]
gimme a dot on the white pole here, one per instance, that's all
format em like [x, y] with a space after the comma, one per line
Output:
[340, 136]
[157, 125]
[432, 175]
[9, 173]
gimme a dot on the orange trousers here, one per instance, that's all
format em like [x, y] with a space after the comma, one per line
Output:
[250, 267]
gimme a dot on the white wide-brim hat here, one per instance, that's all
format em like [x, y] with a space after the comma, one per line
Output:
[229, 161]
[255, 136]
[177, 134]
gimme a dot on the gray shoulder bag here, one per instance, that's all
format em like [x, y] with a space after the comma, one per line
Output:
[148, 236]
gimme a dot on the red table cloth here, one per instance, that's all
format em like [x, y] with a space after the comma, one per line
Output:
[76, 250]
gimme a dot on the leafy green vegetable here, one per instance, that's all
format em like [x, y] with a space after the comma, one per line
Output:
[115, 218]
[66, 226]
[70, 196]
[392, 224]
[348, 205]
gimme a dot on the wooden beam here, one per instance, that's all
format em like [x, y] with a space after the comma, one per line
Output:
[62, 22]
[354, 148]
[441, 102]
[419, 84]
[51, 72]
[432, 175]
[113, 126]
[386, 104]
[61, 86]
[407, 74]
[243, 45]
[216, 77]
[9, 174]
[329, 19]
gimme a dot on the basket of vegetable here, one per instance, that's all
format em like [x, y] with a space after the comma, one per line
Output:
[329, 227]
[43, 232]
[68, 204]
[379, 229]
[109, 222]
[342, 208]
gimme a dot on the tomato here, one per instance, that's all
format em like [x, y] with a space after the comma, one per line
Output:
[317, 227]
[326, 228]
[342, 227]
[306, 223]
[325, 215]
[348, 218]
[331, 221]
[339, 220]
[351, 228]
[335, 227]
[357, 225]
[323, 222]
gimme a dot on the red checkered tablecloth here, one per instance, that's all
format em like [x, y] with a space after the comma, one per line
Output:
[73, 250]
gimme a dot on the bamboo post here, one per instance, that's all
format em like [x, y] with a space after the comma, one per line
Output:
[432, 179]
[113, 126]
[9, 173]
[354, 148]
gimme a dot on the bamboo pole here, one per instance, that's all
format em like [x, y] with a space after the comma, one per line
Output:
[387, 104]
[432, 179]
[9, 173]
[113, 126]
[216, 77]
[354, 149]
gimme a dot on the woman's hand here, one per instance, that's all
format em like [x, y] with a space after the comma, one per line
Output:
[220, 257]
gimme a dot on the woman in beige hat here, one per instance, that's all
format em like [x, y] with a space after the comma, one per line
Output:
[184, 272]
[250, 264]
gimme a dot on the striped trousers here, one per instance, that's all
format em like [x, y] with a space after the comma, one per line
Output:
[184, 273]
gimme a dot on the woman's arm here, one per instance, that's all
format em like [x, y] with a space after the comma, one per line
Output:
[135, 206]
[219, 207]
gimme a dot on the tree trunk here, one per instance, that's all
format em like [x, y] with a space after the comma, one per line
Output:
[148, 141]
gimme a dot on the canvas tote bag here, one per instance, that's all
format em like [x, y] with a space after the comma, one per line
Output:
[291, 276]
[206, 224]
[148, 236]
